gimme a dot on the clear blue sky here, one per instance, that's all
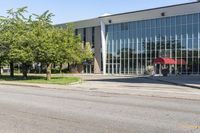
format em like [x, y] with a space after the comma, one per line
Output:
[72, 10]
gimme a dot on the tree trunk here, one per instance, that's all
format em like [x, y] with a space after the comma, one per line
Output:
[25, 70]
[68, 67]
[48, 72]
[11, 69]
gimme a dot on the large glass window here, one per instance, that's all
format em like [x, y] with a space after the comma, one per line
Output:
[133, 46]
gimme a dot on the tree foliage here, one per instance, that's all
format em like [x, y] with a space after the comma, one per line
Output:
[26, 40]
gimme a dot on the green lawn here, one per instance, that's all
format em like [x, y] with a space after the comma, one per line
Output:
[42, 80]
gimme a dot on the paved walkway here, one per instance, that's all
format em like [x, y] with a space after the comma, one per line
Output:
[124, 85]
[138, 86]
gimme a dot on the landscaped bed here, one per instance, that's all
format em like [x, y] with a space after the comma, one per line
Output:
[42, 80]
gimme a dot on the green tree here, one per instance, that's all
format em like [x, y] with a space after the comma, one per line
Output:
[4, 46]
[87, 54]
[45, 41]
[76, 52]
[22, 35]
[34, 39]
[71, 48]
[10, 28]
[62, 51]
[22, 46]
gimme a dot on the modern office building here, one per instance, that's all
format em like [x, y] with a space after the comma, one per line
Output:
[129, 43]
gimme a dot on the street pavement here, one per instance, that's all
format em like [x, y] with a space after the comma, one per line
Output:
[100, 105]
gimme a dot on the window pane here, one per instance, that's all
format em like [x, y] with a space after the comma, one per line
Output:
[189, 19]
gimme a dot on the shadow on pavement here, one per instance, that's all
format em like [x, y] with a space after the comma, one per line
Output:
[190, 81]
[129, 80]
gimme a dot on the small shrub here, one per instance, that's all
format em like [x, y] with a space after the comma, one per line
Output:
[149, 70]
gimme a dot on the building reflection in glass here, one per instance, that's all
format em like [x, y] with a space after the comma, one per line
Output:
[133, 46]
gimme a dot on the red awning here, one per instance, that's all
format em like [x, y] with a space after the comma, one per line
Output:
[164, 61]
[181, 61]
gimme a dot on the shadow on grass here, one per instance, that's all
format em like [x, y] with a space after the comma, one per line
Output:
[20, 78]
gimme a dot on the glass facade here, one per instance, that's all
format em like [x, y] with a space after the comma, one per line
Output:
[133, 46]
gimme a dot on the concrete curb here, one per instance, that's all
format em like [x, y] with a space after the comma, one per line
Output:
[21, 84]
[78, 82]
[40, 85]
[174, 83]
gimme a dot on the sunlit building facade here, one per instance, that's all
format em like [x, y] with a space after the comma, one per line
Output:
[129, 43]
[133, 46]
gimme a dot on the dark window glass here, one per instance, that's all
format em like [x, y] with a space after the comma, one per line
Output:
[139, 26]
[117, 28]
[167, 31]
[114, 28]
[189, 30]
[153, 23]
[195, 30]
[158, 32]
[173, 21]
[163, 31]
[189, 19]
[134, 26]
[143, 32]
[153, 32]
[134, 29]
[148, 23]
[143, 24]
[178, 44]
[84, 35]
[178, 30]
[107, 28]
[168, 21]
[189, 43]
[199, 23]
[168, 44]
[173, 31]
[195, 46]
[163, 22]
[76, 32]
[148, 33]
[184, 44]
[93, 36]
[124, 26]
[199, 18]
[183, 19]
[184, 30]
[195, 18]
[178, 20]
[158, 22]
[130, 25]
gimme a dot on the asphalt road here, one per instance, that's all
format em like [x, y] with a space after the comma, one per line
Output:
[42, 110]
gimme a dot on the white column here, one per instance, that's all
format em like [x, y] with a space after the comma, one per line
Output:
[103, 41]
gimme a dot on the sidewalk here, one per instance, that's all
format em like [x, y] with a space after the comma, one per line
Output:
[188, 81]
[107, 89]
[108, 85]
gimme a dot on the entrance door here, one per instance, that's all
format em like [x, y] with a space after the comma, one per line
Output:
[88, 68]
